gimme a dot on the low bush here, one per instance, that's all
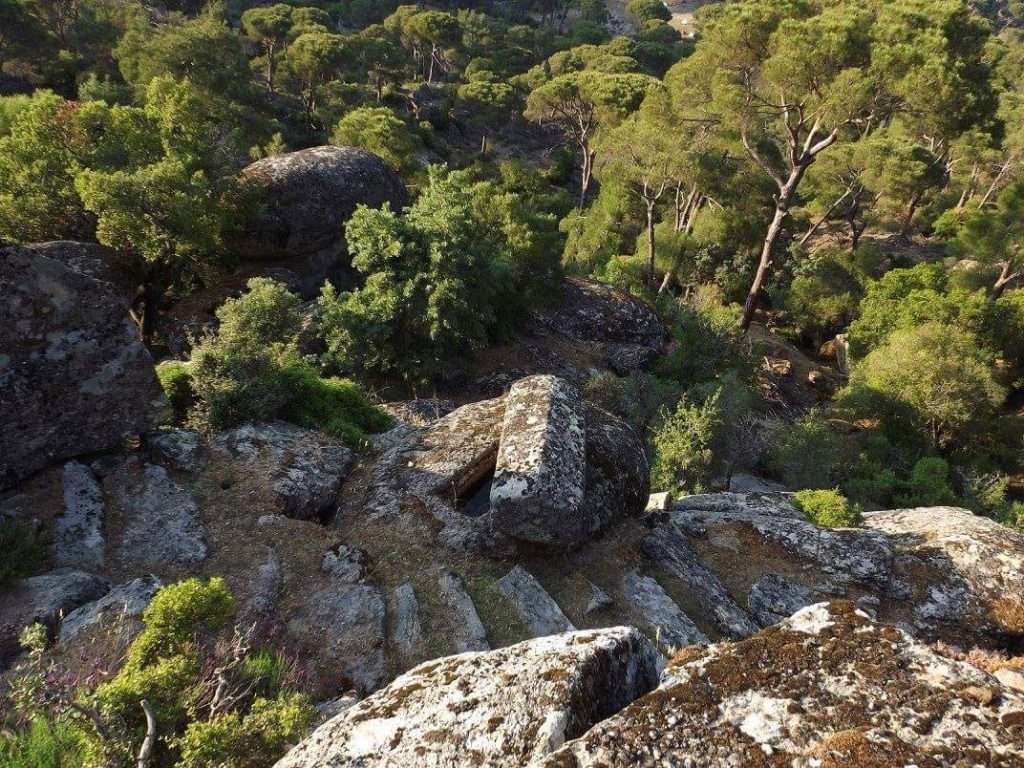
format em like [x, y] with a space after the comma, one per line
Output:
[927, 486]
[828, 508]
[808, 453]
[23, 553]
[638, 398]
[46, 743]
[684, 447]
[175, 378]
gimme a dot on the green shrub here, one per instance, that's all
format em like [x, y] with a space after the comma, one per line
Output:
[808, 453]
[176, 380]
[47, 744]
[637, 398]
[684, 447]
[336, 406]
[706, 343]
[927, 486]
[254, 740]
[1013, 516]
[23, 552]
[251, 370]
[828, 508]
[939, 373]
[162, 664]
[648, 10]
[378, 130]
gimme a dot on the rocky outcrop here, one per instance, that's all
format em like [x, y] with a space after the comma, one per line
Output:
[408, 632]
[941, 572]
[827, 687]
[74, 376]
[78, 531]
[308, 197]
[178, 449]
[981, 560]
[124, 601]
[539, 478]
[503, 708]
[591, 311]
[306, 467]
[45, 599]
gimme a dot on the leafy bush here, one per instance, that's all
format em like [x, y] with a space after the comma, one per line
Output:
[251, 370]
[638, 398]
[927, 486]
[828, 508]
[439, 282]
[46, 744]
[706, 342]
[176, 380]
[162, 664]
[378, 130]
[808, 453]
[23, 552]
[648, 10]
[941, 374]
[254, 740]
[684, 447]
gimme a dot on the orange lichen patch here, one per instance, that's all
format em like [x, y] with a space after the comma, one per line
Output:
[853, 748]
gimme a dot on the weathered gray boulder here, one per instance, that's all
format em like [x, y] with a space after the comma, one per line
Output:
[123, 601]
[667, 547]
[618, 475]
[162, 525]
[491, 710]
[45, 599]
[981, 562]
[773, 598]
[537, 609]
[74, 376]
[308, 196]
[345, 563]
[345, 623]
[306, 467]
[597, 312]
[180, 449]
[78, 530]
[540, 474]
[827, 687]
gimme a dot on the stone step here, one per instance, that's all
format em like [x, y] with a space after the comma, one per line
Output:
[671, 550]
[408, 631]
[537, 609]
[653, 606]
[468, 631]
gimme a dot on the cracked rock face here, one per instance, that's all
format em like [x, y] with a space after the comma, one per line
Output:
[74, 376]
[497, 709]
[827, 687]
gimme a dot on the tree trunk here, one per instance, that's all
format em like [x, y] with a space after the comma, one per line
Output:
[145, 757]
[430, 71]
[823, 218]
[483, 146]
[1006, 274]
[588, 167]
[666, 281]
[270, 67]
[764, 265]
[908, 218]
[650, 240]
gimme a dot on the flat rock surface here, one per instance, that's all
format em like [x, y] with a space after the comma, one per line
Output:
[78, 531]
[470, 634]
[496, 709]
[827, 687]
[122, 601]
[659, 612]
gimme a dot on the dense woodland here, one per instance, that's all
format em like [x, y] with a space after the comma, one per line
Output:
[800, 168]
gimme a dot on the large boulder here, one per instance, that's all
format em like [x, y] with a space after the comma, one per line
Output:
[74, 376]
[309, 195]
[495, 709]
[827, 687]
[540, 472]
